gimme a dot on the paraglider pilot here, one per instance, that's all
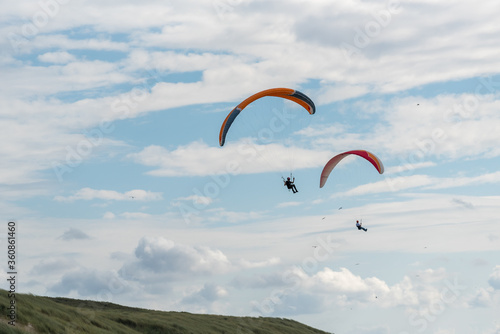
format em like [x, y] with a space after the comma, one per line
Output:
[358, 225]
[289, 184]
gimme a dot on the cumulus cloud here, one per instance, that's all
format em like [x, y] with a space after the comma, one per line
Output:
[494, 279]
[350, 288]
[209, 293]
[482, 298]
[487, 297]
[164, 256]
[295, 288]
[90, 283]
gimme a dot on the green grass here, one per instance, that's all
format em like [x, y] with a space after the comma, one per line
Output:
[36, 314]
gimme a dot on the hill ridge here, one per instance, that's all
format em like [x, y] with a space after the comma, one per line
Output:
[40, 314]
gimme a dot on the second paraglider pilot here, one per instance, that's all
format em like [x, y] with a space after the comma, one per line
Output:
[358, 225]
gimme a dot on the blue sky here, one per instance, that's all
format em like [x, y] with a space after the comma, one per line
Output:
[112, 169]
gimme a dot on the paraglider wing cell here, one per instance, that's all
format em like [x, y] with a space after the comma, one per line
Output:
[330, 165]
[286, 93]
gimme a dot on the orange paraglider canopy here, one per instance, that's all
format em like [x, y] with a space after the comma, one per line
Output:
[286, 93]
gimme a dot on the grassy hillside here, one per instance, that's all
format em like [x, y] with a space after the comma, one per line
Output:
[37, 314]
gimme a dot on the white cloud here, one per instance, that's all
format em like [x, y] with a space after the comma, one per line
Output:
[262, 281]
[196, 199]
[399, 183]
[324, 131]
[267, 263]
[135, 215]
[207, 294]
[405, 133]
[393, 51]
[390, 184]
[487, 297]
[59, 41]
[489, 178]
[109, 215]
[62, 57]
[163, 256]
[200, 213]
[345, 282]
[67, 77]
[494, 279]
[178, 62]
[482, 298]
[199, 159]
[223, 215]
[445, 127]
[340, 93]
[89, 194]
[52, 265]
[329, 288]
[90, 283]
[495, 330]
[408, 168]
[288, 204]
